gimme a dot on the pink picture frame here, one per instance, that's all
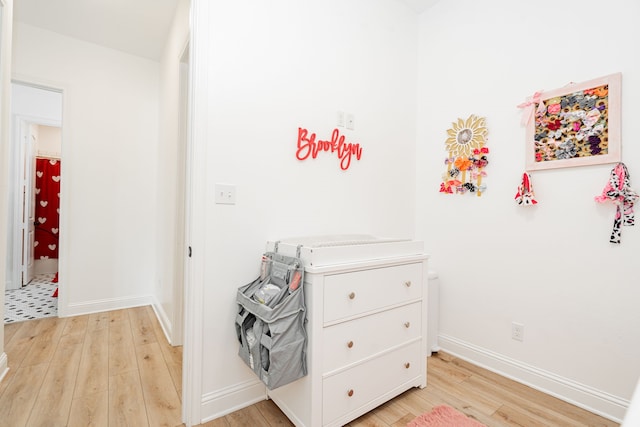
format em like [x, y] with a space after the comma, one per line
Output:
[577, 125]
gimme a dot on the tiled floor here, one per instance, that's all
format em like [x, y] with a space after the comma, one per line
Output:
[33, 301]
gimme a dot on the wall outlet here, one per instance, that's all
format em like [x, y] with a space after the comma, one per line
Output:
[517, 331]
[350, 121]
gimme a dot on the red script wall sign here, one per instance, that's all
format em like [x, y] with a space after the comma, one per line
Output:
[308, 145]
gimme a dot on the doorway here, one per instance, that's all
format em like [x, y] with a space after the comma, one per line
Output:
[34, 202]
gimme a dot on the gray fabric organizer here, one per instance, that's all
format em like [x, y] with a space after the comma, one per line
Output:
[272, 334]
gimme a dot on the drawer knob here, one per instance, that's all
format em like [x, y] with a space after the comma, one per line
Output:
[352, 295]
[407, 283]
[350, 393]
[407, 365]
[350, 344]
[407, 325]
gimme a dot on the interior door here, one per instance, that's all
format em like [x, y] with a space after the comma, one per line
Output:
[27, 229]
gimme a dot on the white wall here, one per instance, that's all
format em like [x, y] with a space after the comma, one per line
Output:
[109, 168]
[261, 76]
[49, 140]
[170, 151]
[550, 267]
[6, 21]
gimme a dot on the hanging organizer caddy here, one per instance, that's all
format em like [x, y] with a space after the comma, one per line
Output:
[270, 324]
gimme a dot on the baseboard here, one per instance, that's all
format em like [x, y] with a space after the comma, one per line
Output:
[222, 402]
[4, 366]
[593, 400]
[107, 304]
[163, 319]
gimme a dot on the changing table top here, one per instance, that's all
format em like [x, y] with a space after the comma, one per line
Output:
[326, 250]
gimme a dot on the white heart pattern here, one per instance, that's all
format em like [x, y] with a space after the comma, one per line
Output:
[52, 247]
[53, 161]
[44, 257]
[41, 220]
[58, 210]
[37, 191]
[39, 174]
[56, 178]
[35, 243]
[43, 203]
[54, 230]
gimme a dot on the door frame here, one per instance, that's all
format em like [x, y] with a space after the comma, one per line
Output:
[14, 159]
[20, 120]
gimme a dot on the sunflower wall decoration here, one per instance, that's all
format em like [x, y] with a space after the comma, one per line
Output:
[467, 159]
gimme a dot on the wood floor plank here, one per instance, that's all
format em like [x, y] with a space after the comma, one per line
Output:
[21, 342]
[76, 324]
[160, 396]
[474, 396]
[122, 355]
[118, 316]
[93, 372]
[172, 354]
[448, 370]
[90, 410]
[6, 380]
[249, 416]
[402, 422]
[141, 326]
[18, 400]
[10, 329]
[535, 411]
[391, 412]
[126, 401]
[272, 414]
[52, 405]
[98, 321]
[368, 420]
[48, 332]
[218, 422]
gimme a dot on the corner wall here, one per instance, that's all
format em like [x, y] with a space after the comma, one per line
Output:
[283, 66]
[171, 179]
[549, 267]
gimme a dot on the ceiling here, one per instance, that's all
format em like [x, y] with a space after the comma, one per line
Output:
[138, 27]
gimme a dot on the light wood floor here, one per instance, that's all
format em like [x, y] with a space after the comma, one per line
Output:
[107, 369]
[117, 369]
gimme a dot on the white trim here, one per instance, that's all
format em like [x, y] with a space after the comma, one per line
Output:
[593, 400]
[107, 304]
[230, 399]
[195, 214]
[163, 319]
[4, 366]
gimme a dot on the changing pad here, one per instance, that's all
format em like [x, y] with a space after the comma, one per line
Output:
[316, 251]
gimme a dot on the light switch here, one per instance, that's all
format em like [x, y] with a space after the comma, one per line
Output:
[225, 194]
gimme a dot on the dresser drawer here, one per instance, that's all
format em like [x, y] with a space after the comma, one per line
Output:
[348, 342]
[350, 294]
[354, 388]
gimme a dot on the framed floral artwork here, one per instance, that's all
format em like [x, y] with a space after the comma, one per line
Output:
[576, 125]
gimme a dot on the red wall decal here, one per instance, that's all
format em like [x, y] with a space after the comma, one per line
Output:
[308, 145]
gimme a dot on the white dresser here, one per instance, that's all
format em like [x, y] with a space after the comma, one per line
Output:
[367, 326]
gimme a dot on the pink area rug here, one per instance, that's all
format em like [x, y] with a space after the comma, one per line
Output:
[444, 416]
